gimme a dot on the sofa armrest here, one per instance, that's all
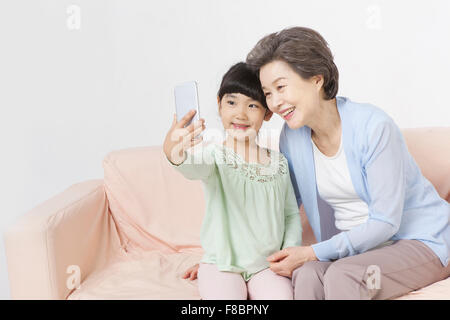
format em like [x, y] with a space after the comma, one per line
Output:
[73, 231]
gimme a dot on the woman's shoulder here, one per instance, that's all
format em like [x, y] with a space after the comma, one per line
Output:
[362, 113]
[368, 123]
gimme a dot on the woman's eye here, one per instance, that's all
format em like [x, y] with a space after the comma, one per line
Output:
[253, 105]
[266, 94]
[280, 87]
[230, 102]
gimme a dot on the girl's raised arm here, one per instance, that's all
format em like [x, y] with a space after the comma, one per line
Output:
[193, 165]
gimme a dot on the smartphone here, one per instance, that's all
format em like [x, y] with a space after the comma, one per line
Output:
[186, 99]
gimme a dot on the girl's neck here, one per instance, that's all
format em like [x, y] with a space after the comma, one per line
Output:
[246, 145]
[249, 149]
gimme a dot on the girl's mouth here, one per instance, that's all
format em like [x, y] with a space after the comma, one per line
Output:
[240, 126]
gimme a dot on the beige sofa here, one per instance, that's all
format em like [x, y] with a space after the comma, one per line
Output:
[132, 234]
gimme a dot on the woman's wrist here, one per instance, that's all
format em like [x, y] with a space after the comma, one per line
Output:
[313, 256]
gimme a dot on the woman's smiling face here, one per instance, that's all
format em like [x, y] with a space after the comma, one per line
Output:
[242, 116]
[288, 94]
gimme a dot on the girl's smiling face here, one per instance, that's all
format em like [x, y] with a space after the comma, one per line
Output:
[242, 116]
[288, 94]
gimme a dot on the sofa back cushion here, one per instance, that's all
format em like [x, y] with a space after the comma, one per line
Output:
[154, 206]
[430, 148]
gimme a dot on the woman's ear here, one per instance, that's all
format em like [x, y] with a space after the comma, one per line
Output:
[268, 115]
[318, 81]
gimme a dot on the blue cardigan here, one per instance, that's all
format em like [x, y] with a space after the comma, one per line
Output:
[402, 203]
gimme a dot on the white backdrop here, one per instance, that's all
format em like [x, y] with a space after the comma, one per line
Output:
[80, 78]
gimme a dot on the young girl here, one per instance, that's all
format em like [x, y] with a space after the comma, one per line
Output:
[251, 209]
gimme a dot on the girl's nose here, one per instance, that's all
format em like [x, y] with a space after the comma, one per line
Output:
[241, 114]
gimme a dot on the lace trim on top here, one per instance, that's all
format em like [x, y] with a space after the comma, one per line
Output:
[254, 171]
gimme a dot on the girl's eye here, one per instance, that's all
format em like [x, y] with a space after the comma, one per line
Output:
[230, 102]
[253, 105]
[267, 94]
[280, 87]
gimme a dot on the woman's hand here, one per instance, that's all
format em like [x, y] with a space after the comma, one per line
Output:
[284, 262]
[191, 273]
[180, 139]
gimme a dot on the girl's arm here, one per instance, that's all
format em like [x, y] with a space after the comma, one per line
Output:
[293, 226]
[293, 201]
[286, 153]
[178, 144]
[192, 272]
[197, 165]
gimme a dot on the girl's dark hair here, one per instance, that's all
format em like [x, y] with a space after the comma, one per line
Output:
[240, 78]
[304, 49]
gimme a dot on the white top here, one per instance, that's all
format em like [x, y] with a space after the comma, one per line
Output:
[336, 188]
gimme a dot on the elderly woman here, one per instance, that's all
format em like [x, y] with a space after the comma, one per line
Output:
[381, 227]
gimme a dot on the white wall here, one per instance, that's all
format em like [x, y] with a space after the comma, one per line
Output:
[69, 96]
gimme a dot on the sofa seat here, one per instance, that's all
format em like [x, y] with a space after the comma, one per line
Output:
[150, 275]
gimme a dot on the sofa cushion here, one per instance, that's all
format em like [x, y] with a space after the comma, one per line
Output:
[155, 275]
[430, 148]
[154, 206]
[150, 275]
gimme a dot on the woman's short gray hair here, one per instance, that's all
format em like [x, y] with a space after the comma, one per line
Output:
[304, 49]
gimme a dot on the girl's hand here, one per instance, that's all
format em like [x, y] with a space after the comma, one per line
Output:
[284, 262]
[180, 139]
[191, 273]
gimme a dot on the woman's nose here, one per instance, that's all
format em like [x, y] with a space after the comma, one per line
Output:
[276, 101]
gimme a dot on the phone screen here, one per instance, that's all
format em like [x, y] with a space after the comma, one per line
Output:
[186, 98]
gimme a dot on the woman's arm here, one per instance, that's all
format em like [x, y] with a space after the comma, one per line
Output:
[284, 262]
[384, 171]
